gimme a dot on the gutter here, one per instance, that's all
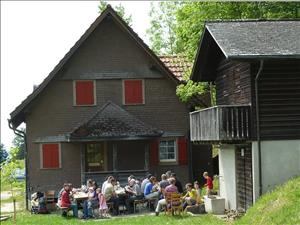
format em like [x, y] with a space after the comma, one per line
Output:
[23, 135]
[258, 125]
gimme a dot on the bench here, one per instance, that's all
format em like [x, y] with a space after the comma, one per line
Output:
[64, 210]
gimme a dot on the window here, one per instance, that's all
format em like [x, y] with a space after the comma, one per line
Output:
[50, 156]
[84, 93]
[95, 157]
[167, 150]
[133, 92]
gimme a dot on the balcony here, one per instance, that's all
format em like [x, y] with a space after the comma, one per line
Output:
[228, 123]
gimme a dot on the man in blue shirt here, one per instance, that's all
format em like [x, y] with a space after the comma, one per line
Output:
[151, 191]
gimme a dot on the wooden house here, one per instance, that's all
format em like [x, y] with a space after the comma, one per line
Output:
[255, 66]
[108, 108]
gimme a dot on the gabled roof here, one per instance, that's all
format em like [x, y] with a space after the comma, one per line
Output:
[179, 65]
[18, 115]
[113, 122]
[246, 40]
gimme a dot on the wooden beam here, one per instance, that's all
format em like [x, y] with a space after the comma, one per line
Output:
[147, 147]
[115, 157]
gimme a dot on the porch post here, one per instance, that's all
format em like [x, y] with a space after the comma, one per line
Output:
[146, 166]
[82, 157]
[115, 157]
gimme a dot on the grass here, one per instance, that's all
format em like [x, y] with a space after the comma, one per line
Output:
[25, 218]
[281, 206]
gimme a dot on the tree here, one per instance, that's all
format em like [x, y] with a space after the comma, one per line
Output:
[119, 9]
[3, 154]
[19, 144]
[163, 23]
[187, 27]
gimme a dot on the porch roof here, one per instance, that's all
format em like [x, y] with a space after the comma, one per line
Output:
[113, 122]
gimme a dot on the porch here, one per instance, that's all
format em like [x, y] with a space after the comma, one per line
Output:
[223, 123]
[117, 158]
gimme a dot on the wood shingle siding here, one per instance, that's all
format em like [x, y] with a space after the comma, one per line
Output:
[279, 99]
[233, 83]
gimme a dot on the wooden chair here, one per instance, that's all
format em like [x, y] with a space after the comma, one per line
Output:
[139, 203]
[50, 199]
[174, 204]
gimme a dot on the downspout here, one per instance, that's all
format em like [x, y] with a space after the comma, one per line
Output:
[23, 135]
[258, 125]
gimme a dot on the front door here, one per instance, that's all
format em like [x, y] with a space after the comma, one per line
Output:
[96, 157]
[244, 176]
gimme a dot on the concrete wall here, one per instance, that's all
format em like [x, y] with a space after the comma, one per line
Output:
[227, 168]
[280, 161]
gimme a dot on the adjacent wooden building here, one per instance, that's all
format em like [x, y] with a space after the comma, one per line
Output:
[108, 108]
[255, 66]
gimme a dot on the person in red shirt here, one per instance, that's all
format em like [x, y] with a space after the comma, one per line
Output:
[65, 200]
[209, 183]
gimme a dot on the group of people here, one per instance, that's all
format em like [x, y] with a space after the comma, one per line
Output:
[112, 194]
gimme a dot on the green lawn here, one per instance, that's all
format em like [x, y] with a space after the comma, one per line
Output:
[26, 218]
[281, 206]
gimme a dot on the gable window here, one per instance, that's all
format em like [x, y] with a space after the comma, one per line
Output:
[84, 92]
[167, 150]
[50, 156]
[133, 92]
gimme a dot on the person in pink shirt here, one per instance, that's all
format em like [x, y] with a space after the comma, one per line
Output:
[169, 189]
[209, 183]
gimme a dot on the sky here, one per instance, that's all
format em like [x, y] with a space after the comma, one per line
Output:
[35, 35]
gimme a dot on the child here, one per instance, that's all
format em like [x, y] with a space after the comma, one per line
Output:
[209, 184]
[198, 191]
[102, 204]
[190, 197]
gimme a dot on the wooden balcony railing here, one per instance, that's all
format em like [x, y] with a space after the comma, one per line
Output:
[221, 123]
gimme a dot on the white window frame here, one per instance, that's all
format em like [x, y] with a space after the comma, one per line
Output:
[123, 92]
[41, 156]
[175, 150]
[74, 93]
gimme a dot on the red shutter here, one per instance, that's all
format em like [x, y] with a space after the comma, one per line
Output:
[182, 151]
[50, 155]
[154, 147]
[84, 93]
[133, 91]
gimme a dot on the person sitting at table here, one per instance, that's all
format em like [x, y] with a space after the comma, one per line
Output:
[108, 180]
[90, 203]
[151, 191]
[66, 202]
[171, 188]
[145, 182]
[190, 197]
[133, 192]
[178, 183]
[111, 196]
[164, 182]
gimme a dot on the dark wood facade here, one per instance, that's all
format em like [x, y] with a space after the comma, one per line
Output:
[279, 94]
[244, 176]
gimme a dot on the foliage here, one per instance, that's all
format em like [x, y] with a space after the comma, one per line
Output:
[8, 171]
[187, 90]
[3, 154]
[19, 143]
[181, 33]
[119, 9]
[163, 23]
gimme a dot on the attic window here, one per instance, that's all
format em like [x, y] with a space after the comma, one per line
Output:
[133, 92]
[84, 93]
